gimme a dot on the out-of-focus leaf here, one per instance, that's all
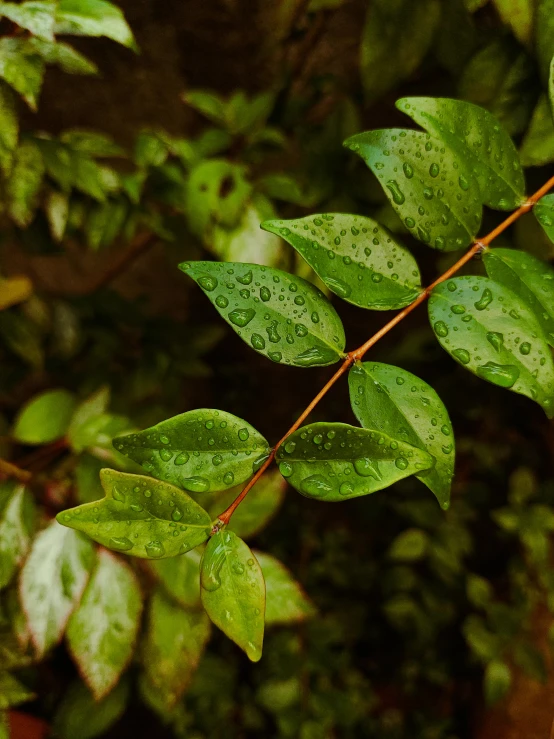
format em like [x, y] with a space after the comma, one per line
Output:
[9, 127]
[4, 725]
[207, 103]
[544, 35]
[57, 213]
[24, 183]
[12, 692]
[35, 16]
[409, 546]
[16, 523]
[518, 14]
[286, 602]
[93, 18]
[87, 479]
[81, 715]
[180, 577]
[45, 417]
[498, 679]
[21, 68]
[14, 290]
[93, 406]
[91, 143]
[62, 55]
[537, 147]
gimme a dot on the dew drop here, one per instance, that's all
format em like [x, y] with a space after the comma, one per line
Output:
[396, 192]
[441, 329]
[366, 468]
[285, 469]
[241, 316]
[207, 283]
[122, 544]
[155, 549]
[525, 348]
[316, 486]
[195, 484]
[401, 463]
[484, 300]
[462, 355]
[181, 458]
[166, 455]
[504, 375]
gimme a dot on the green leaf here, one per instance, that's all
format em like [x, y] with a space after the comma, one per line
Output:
[174, 643]
[475, 137]
[404, 407]
[79, 714]
[44, 418]
[9, 127]
[479, 591]
[12, 692]
[201, 451]
[23, 186]
[435, 194]
[529, 278]
[409, 546]
[62, 55]
[180, 577]
[91, 143]
[544, 213]
[21, 68]
[4, 725]
[334, 461]
[35, 16]
[537, 147]
[551, 87]
[497, 681]
[57, 213]
[141, 516]
[490, 331]
[544, 35]
[519, 15]
[89, 409]
[210, 105]
[87, 479]
[52, 582]
[94, 18]
[355, 257]
[16, 523]
[233, 591]
[102, 631]
[396, 37]
[286, 602]
[288, 319]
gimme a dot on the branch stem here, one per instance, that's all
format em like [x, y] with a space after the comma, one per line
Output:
[9, 470]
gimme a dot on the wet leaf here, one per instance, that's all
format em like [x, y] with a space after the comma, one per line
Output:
[44, 418]
[35, 16]
[490, 331]
[16, 524]
[180, 577]
[200, 451]
[404, 407]
[544, 213]
[476, 137]
[529, 278]
[23, 186]
[537, 147]
[435, 194]
[80, 714]
[281, 316]
[551, 87]
[21, 68]
[355, 257]
[334, 461]
[141, 516]
[233, 591]
[93, 18]
[102, 631]
[286, 602]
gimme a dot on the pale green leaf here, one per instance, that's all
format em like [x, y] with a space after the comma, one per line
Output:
[52, 582]
[16, 523]
[12, 692]
[286, 602]
[286, 318]
[35, 16]
[537, 147]
[476, 137]
[490, 331]
[355, 257]
[90, 408]
[209, 104]
[141, 516]
[334, 461]
[173, 645]
[87, 479]
[434, 193]
[497, 681]
[233, 591]
[531, 279]
[80, 715]
[62, 55]
[409, 546]
[22, 68]
[102, 631]
[9, 127]
[44, 418]
[23, 185]
[180, 577]
[94, 18]
[519, 15]
[57, 213]
[91, 143]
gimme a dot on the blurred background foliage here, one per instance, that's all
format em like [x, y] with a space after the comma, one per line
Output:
[123, 152]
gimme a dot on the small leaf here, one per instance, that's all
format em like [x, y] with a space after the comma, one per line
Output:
[476, 137]
[57, 213]
[404, 407]
[201, 451]
[286, 602]
[14, 290]
[141, 516]
[35, 16]
[93, 18]
[21, 68]
[519, 15]
[180, 577]
[286, 318]
[91, 143]
[9, 127]
[355, 257]
[87, 479]
[79, 714]
[409, 546]
[16, 514]
[62, 55]
[174, 643]
[498, 679]
[23, 186]
[102, 631]
[334, 461]
[537, 147]
[12, 692]
[490, 331]
[233, 591]
[95, 405]
[44, 418]
[52, 582]
[435, 194]
[529, 278]
[207, 103]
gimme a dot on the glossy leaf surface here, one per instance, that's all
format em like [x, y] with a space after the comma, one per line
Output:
[286, 602]
[180, 577]
[404, 407]
[475, 136]
[281, 316]
[141, 516]
[544, 213]
[495, 335]
[16, 508]
[200, 451]
[355, 257]
[79, 714]
[528, 277]
[334, 461]
[233, 591]
[434, 193]
[45, 417]
[102, 631]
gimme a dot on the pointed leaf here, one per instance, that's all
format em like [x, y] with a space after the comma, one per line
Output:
[102, 631]
[23, 186]
[519, 14]
[174, 643]
[476, 137]
[16, 514]
[544, 213]
[93, 18]
[334, 461]
[286, 602]
[45, 417]
[200, 451]
[355, 257]
[537, 147]
[281, 316]
[90, 408]
[434, 193]
[141, 516]
[205, 102]
[491, 332]
[9, 127]
[180, 577]
[21, 68]
[79, 714]
[52, 582]
[233, 591]
[528, 277]
[62, 55]
[35, 16]
[409, 546]
[12, 692]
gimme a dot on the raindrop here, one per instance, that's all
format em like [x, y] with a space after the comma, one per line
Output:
[241, 316]
[228, 478]
[525, 348]
[484, 300]
[504, 375]
[265, 294]
[285, 469]
[315, 356]
[195, 484]
[243, 434]
[434, 170]
[155, 549]
[166, 455]
[221, 301]
[401, 463]
[366, 468]
[118, 495]
[177, 514]
[316, 486]
[396, 192]
[257, 341]
[181, 458]
[290, 446]
[207, 283]
[122, 544]
[346, 488]
[441, 329]
[462, 355]
[496, 339]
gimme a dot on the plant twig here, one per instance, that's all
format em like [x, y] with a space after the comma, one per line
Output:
[9, 470]
[355, 356]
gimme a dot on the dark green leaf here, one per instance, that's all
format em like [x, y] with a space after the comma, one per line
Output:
[537, 147]
[288, 319]
[45, 417]
[35, 16]
[12, 692]
[207, 103]
[286, 602]
[551, 87]
[52, 582]
[479, 591]
[544, 35]
[519, 14]
[434, 193]
[141, 516]
[102, 631]
[204, 450]
[87, 479]
[498, 679]
[528, 277]
[180, 577]
[409, 546]
[355, 257]
[233, 591]
[492, 332]
[22, 188]
[404, 407]
[544, 212]
[93, 18]
[21, 68]
[475, 137]
[16, 519]
[334, 461]
[80, 715]
[9, 127]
